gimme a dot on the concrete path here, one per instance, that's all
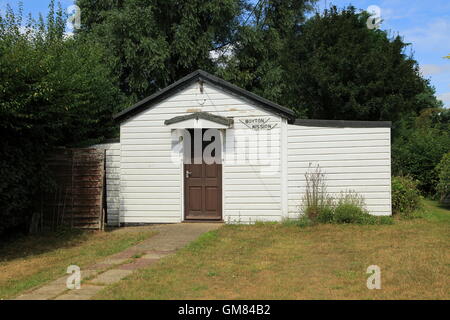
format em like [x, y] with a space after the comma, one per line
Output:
[114, 268]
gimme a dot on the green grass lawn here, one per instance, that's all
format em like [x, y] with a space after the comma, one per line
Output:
[437, 213]
[276, 261]
[34, 260]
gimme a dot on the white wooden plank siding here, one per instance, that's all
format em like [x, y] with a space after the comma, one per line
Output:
[145, 180]
[112, 181]
[151, 183]
[356, 159]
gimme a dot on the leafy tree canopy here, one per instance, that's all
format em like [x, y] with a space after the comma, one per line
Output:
[327, 66]
[339, 69]
[419, 146]
[443, 170]
[153, 43]
[258, 59]
[54, 85]
[54, 91]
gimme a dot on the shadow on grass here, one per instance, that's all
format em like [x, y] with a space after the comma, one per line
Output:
[436, 211]
[443, 207]
[23, 246]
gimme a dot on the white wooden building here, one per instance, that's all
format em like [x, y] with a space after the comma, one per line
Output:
[258, 173]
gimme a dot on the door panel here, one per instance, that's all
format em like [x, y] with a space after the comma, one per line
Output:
[203, 191]
[211, 198]
[195, 197]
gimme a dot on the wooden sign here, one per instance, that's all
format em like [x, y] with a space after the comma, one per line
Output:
[258, 124]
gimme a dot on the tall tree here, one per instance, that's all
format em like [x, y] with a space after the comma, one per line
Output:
[54, 91]
[152, 43]
[256, 58]
[340, 69]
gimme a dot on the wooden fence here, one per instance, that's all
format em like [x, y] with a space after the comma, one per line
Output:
[78, 197]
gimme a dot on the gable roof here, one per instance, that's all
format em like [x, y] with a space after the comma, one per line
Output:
[152, 100]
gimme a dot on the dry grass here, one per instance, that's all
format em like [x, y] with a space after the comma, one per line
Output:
[274, 261]
[34, 260]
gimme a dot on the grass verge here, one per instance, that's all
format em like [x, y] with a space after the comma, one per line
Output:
[329, 261]
[34, 260]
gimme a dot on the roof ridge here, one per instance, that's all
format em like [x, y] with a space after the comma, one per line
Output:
[153, 99]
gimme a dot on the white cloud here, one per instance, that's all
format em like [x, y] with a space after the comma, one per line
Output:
[388, 13]
[434, 69]
[435, 36]
[445, 97]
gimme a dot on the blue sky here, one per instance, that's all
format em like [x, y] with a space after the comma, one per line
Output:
[424, 24]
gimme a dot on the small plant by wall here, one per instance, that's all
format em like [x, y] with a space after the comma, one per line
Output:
[320, 207]
[350, 207]
[316, 200]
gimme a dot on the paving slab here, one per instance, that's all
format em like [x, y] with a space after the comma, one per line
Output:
[126, 254]
[156, 255]
[113, 261]
[106, 264]
[169, 238]
[137, 264]
[34, 296]
[110, 276]
[53, 288]
[84, 293]
[86, 274]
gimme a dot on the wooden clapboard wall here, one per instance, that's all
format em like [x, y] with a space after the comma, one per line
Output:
[77, 198]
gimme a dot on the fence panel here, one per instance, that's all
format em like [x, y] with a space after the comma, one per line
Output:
[78, 196]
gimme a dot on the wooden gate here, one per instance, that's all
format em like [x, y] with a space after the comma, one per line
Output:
[78, 197]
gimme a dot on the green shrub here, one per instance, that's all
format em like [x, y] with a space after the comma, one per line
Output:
[320, 207]
[416, 214]
[417, 148]
[349, 213]
[350, 207]
[405, 195]
[443, 170]
[54, 91]
[326, 215]
[353, 198]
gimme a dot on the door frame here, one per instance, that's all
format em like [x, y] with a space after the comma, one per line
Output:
[183, 187]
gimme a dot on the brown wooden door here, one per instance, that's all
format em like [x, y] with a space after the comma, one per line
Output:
[203, 191]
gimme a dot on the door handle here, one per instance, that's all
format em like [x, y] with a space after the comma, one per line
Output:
[188, 174]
